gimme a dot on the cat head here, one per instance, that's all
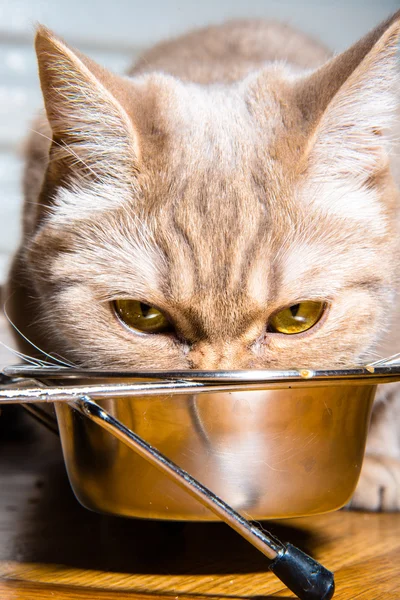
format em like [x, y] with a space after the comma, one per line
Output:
[225, 207]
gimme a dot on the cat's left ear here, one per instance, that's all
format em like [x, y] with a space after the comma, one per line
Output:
[349, 106]
[92, 133]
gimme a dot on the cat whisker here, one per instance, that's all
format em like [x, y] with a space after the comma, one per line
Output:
[33, 361]
[387, 360]
[63, 362]
[67, 363]
[372, 354]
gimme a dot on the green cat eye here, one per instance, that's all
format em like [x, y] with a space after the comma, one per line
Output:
[140, 316]
[297, 318]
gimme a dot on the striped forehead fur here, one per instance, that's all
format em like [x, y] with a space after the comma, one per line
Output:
[118, 254]
[83, 199]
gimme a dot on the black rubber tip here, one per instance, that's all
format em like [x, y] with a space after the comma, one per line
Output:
[303, 575]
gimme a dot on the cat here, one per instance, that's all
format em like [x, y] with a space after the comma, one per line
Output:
[229, 204]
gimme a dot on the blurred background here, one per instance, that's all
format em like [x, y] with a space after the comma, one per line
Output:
[114, 32]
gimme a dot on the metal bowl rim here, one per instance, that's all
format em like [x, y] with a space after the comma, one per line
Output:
[370, 374]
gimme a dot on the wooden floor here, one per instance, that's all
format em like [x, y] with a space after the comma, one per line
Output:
[52, 548]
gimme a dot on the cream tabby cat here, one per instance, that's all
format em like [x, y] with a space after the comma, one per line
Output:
[228, 205]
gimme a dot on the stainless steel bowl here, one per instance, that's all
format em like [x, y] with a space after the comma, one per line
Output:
[270, 444]
[268, 453]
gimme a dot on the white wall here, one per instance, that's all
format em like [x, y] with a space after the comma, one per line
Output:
[112, 31]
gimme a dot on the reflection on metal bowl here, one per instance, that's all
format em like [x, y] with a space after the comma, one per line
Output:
[269, 453]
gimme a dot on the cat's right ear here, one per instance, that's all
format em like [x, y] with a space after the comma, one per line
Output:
[92, 133]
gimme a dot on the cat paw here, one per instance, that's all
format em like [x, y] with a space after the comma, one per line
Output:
[379, 486]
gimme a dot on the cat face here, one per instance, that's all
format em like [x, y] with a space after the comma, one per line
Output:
[220, 206]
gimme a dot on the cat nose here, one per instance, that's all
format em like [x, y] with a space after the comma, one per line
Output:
[208, 356]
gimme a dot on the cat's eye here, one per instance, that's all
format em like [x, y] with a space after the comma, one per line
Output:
[297, 318]
[140, 316]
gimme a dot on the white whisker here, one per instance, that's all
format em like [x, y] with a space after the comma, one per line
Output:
[33, 361]
[63, 362]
